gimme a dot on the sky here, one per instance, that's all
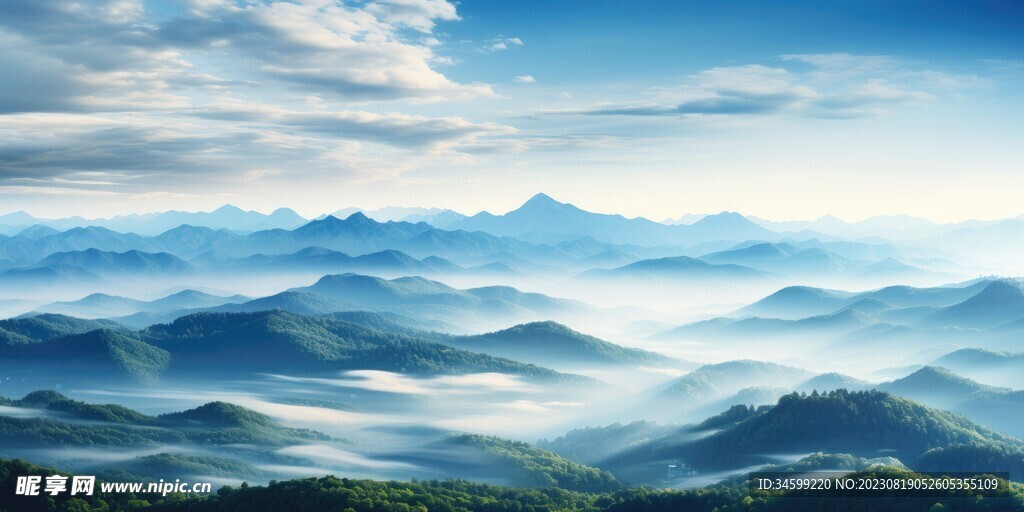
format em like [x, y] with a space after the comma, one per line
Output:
[784, 110]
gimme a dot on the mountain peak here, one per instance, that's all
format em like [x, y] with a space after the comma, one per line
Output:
[540, 203]
[229, 208]
[540, 198]
[358, 217]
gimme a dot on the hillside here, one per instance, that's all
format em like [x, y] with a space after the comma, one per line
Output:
[678, 268]
[999, 303]
[720, 380]
[933, 384]
[100, 355]
[591, 445]
[277, 341]
[524, 465]
[832, 381]
[215, 423]
[54, 401]
[49, 326]
[553, 344]
[866, 423]
[358, 495]
[998, 368]
[995, 407]
[433, 301]
[133, 262]
[795, 302]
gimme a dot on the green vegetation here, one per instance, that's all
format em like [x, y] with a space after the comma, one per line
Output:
[548, 342]
[332, 494]
[839, 421]
[975, 457]
[592, 444]
[730, 417]
[720, 380]
[215, 423]
[162, 465]
[529, 466]
[101, 354]
[217, 415]
[47, 327]
[54, 401]
[280, 341]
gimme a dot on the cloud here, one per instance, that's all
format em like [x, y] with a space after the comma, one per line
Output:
[388, 382]
[502, 44]
[356, 53]
[836, 86]
[140, 153]
[394, 129]
[524, 79]
[335, 457]
[415, 14]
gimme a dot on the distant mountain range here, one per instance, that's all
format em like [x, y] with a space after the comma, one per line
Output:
[437, 217]
[999, 408]
[796, 302]
[53, 348]
[545, 220]
[554, 345]
[717, 381]
[897, 321]
[99, 305]
[225, 217]
[431, 303]
[674, 269]
[866, 424]
[540, 221]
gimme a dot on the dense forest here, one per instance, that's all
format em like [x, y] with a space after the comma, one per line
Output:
[215, 423]
[333, 494]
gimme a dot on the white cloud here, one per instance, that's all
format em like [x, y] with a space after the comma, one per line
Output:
[388, 382]
[415, 14]
[502, 44]
[524, 79]
[397, 129]
[838, 86]
[353, 52]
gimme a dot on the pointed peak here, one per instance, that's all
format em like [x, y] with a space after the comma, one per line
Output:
[540, 199]
[358, 217]
[229, 208]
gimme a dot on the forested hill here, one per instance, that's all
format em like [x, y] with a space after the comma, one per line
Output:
[220, 343]
[866, 423]
[333, 494]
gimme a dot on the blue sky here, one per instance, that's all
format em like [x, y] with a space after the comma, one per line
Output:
[784, 110]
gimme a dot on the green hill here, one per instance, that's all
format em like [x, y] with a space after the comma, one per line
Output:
[864, 423]
[190, 466]
[345, 494]
[715, 381]
[226, 343]
[50, 326]
[217, 415]
[590, 445]
[100, 355]
[54, 401]
[551, 343]
[528, 466]
[215, 423]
